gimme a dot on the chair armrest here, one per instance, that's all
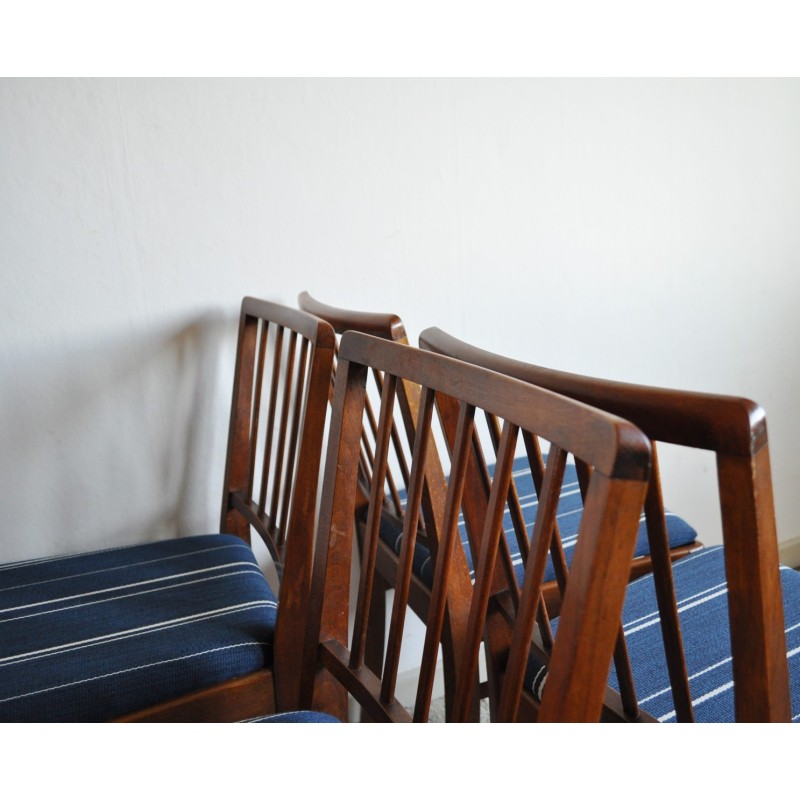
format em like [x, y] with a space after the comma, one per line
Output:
[727, 425]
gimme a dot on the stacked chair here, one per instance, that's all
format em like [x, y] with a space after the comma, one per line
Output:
[390, 327]
[576, 655]
[713, 637]
[187, 629]
[519, 514]
[499, 501]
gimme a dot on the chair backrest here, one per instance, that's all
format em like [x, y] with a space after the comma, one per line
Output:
[579, 653]
[735, 429]
[403, 426]
[278, 413]
[390, 327]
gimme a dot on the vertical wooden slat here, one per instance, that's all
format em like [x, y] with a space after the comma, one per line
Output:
[531, 589]
[396, 442]
[367, 454]
[366, 580]
[406, 557]
[658, 539]
[514, 507]
[533, 449]
[449, 537]
[505, 577]
[473, 505]
[262, 349]
[273, 396]
[292, 443]
[390, 481]
[278, 474]
[491, 538]
[333, 371]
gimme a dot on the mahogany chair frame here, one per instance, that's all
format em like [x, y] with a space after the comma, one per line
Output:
[390, 327]
[580, 655]
[735, 430]
[277, 425]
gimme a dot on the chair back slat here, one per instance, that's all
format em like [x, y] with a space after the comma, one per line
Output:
[411, 522]
[292, 440]
[530, 600]
[657, 536]
[280, 446]
[263, 327]
[447, 540]
[514, 505]
[266, 459]
[372, 530]
[491, 537]
[399, 454]
[533, 450]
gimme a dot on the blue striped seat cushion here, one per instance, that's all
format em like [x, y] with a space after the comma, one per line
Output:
[701, 592]
[95, 636]
[296, 716]
[569, 514]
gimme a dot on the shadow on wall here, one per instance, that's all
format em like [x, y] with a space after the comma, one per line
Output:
[115, 441]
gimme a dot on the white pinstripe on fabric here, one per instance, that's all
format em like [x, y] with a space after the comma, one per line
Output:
[133, 632]
[137, 668]
[249, 568]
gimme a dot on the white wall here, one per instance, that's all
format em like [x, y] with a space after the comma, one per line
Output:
[645, 230]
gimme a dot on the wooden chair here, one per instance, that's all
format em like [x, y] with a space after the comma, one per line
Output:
[579, 653]
[389, 326]
[186, 629]
[726, 659]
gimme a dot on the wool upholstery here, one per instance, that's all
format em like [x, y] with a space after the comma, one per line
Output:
[701, 593]
[569, 513]
[95, 636]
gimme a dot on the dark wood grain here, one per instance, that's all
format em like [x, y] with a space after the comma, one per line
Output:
[584, 644]
[735, 430]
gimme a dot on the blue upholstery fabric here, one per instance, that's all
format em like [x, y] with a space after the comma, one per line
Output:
[569, 514]
[296, 716]
[95, 636]
[701, 591]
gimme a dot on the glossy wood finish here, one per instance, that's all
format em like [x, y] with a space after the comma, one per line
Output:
[735, 429]
[434, 488]
[581, 652]
[278, 412]
[232, 701]
[390, 326]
